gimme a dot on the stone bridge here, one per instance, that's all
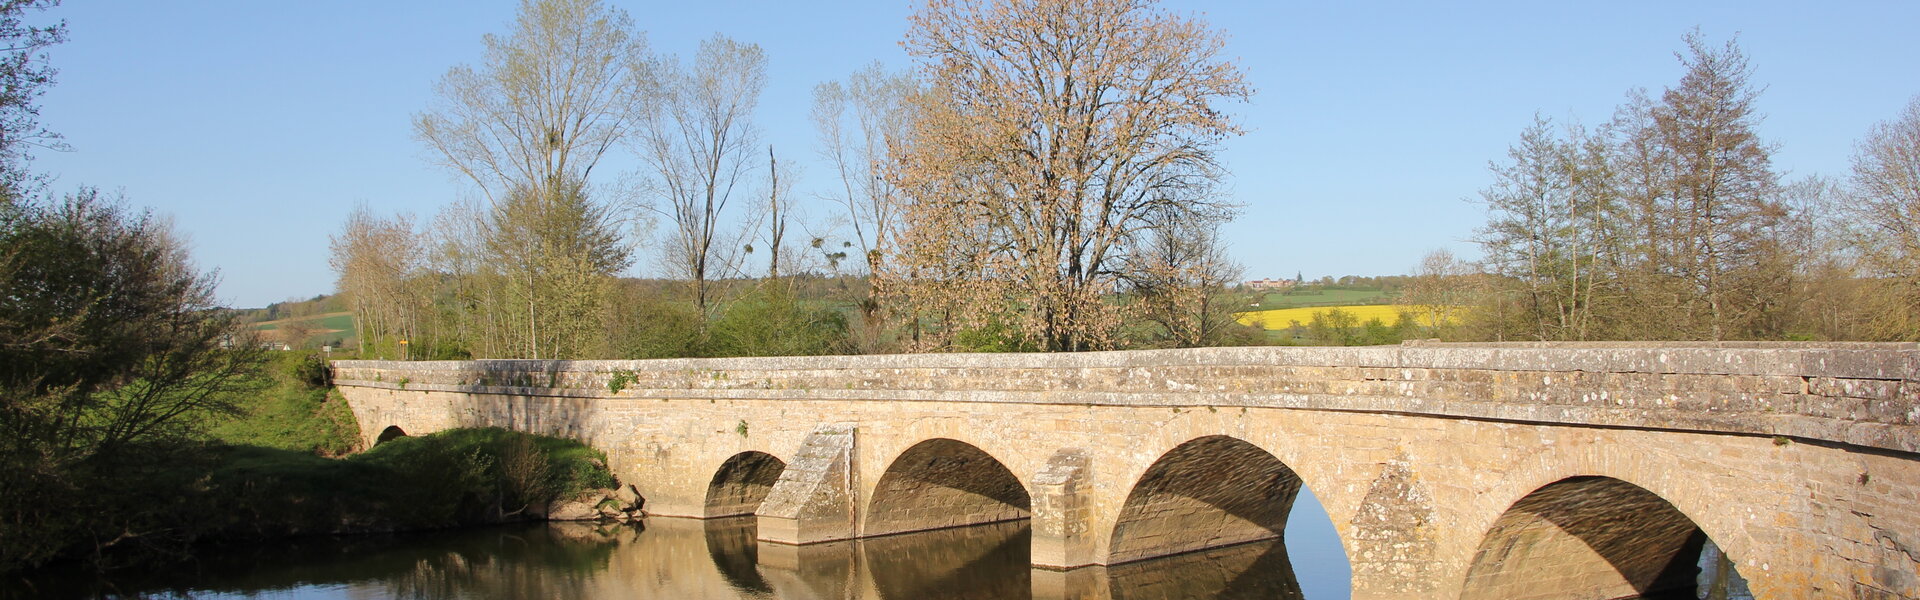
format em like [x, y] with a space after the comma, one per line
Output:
[1449, 471]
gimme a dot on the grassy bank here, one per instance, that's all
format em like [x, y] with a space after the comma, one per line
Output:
[285, 464]
[293, 408]
[151, 505]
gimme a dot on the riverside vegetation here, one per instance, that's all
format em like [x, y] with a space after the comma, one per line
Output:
[284, 463]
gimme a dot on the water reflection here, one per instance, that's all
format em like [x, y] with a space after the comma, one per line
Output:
[676, 558]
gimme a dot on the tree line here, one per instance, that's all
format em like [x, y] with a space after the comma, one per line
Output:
[1045, 179]
[1670, 222]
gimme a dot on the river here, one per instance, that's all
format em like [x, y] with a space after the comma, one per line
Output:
[719, 560]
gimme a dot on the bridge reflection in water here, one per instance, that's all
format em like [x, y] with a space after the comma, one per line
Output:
[983, 562]
[716, 559]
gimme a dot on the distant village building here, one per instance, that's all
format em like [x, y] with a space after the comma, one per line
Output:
[1270, 284]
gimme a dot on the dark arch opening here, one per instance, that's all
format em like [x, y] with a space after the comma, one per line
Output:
[392, 431]
[1209, 492]
[742, 483]
[943, 483]
[1596, 537]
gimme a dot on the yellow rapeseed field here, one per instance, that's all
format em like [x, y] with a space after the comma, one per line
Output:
[1282, 318]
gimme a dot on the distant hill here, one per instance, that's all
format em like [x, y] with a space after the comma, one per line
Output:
[289, 309]
[321, 320]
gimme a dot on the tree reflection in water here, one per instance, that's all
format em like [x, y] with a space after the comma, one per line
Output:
[679, 558]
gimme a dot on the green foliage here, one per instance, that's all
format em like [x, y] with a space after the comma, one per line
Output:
[993, 336]
[619, 381]
[112, 354]
[107, 336]
[770, 321]
[1340, 328]
[286, 410]
[310, 369]
[646, 322]
[152, 505]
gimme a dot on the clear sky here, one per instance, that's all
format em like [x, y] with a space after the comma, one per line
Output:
[258, 125]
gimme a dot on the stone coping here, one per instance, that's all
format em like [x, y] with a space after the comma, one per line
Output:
[1880, 361]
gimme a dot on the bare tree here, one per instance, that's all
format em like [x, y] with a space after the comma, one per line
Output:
[1885, 212]
[779, 214]
[376, 259]
[863, 125]
[1179, 276]
[1441, 290]
[1055, 132]
[698, 145]
[1551, 216]
[1701, 194]
[549, 101]
[24, 76]
[295, 332]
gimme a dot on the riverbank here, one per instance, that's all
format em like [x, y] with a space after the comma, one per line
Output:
[161, 503]
[287, 463]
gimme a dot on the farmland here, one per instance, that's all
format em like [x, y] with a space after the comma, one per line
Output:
[1314, 295]
[1284, 318]
[330, 322]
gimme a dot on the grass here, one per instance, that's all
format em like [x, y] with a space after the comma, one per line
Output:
[339, 321]
[287, 411]
[1316, 296]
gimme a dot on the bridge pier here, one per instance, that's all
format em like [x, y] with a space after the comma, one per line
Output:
[1062, 513]
[814, 499]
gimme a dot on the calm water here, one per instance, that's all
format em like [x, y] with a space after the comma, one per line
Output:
[719, 559]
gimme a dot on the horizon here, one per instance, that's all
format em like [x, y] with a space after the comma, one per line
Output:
[256, 128]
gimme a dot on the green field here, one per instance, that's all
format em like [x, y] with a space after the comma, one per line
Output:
[340, 321]
[1316, 296]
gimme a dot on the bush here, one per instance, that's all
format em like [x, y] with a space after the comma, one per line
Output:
[770, 322]
[311, 369]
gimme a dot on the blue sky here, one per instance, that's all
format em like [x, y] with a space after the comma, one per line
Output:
[258, 125]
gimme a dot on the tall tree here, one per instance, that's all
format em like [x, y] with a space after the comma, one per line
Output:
[528, 127]
[1055, 132]
[698, 144]
[779, 213]
[1884, 209]
[555, 255]
[863, 125]
[1550, 217]
[548, 102]
[1702, 194]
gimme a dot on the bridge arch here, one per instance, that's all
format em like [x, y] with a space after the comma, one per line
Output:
[741, 483]
[1586, 536]
[944, 482]
[1207, 492]
[389, 434]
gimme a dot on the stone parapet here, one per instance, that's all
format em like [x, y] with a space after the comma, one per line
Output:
[1854, 394]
